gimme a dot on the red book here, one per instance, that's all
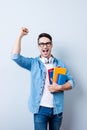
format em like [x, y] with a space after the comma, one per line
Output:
[50, 75]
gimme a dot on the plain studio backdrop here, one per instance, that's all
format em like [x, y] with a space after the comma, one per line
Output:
[66, 21]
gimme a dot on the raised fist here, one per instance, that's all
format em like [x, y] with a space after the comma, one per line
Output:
[24, 31]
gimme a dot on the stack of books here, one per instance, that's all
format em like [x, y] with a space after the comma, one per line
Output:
[57, 75]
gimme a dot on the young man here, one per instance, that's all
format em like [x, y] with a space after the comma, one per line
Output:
[46, 100]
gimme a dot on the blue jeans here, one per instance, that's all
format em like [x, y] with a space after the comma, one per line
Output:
[45, 119]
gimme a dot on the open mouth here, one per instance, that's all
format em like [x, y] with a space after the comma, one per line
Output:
[45, 51]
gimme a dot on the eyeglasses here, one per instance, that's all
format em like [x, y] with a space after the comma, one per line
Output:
[42, 44]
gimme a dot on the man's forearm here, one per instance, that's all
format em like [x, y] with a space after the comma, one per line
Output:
[57, 88]
[17, 46]
[66, 86]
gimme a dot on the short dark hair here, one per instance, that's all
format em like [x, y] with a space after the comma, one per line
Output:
[44, 35]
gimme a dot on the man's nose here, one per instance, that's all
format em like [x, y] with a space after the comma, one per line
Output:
[45, 45]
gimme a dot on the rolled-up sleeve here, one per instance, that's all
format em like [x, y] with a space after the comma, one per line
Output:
[22, 61]
[70, 79]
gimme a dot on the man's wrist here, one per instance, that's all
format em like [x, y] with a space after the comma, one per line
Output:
[60, 87]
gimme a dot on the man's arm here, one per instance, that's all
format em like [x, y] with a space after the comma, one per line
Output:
[57, 88]
[17, 46]
[22, 61]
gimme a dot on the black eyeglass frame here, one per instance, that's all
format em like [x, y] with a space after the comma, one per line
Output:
[42, 44]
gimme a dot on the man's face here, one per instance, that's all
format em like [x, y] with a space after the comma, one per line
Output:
[45, 47]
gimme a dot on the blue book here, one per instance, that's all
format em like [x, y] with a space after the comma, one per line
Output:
[61, 79]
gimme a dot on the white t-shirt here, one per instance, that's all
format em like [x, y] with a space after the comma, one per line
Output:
[47, 97]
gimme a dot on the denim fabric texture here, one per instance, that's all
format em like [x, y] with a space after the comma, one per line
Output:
[38, 75]
[46, 120]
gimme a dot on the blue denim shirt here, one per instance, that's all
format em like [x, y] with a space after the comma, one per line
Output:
[38, 75]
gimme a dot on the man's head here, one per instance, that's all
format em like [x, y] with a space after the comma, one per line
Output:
[45, 44]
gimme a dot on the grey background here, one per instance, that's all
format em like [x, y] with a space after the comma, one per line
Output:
[66, 21]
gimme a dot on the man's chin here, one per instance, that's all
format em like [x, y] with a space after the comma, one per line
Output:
[46, 56]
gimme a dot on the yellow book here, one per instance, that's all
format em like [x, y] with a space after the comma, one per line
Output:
[58, 71]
